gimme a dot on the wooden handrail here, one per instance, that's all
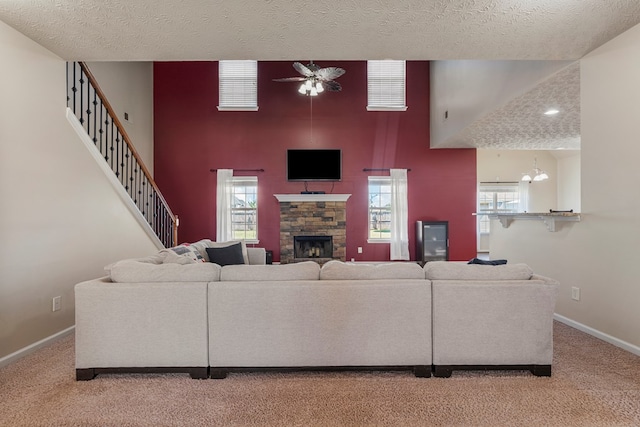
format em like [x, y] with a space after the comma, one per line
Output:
[127, 140]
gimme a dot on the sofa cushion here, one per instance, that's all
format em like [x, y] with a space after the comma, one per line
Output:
[136, 271]
[307, 270]
[447, 270]
[338, 270]
[228, 255]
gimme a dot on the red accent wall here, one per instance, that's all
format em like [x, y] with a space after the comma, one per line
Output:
[191, 137]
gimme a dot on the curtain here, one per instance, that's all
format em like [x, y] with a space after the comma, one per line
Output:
[224, 192]
[523, 196]
[399, 215]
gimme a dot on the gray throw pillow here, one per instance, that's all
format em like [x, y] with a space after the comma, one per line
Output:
[229, 255]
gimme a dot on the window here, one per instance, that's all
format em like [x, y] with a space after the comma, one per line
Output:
[379, 209]
[386, 85]
[244, 208]
[496, 198]
[238, 85]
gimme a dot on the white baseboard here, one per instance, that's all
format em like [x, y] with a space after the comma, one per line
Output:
[596, 333]
[35, 346]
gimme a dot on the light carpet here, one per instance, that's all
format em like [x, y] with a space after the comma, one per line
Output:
[593, 384]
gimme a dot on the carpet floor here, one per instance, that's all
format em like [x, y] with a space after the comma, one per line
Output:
[593, 384]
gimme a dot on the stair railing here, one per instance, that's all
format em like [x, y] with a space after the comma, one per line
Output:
[91, 107]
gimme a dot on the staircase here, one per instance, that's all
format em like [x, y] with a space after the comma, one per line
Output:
[93, 111]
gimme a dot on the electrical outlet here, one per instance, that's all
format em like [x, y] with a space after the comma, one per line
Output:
[575, 293]
[359, 249]
[56, 303]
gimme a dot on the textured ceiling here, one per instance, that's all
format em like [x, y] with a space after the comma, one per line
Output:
[521, 123]
[141, 30]
[184, 30]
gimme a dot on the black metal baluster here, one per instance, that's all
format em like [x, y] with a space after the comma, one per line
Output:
[74, 88]
[95, 118]
[81, 97]
[102, 129]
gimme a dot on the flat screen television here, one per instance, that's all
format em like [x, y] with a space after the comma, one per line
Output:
[314, 165]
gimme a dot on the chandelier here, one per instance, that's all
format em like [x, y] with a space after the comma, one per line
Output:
[538, 174]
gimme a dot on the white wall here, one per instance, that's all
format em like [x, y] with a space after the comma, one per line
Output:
[61, 221]
[129, 88]
[568, 170]
[599, 254]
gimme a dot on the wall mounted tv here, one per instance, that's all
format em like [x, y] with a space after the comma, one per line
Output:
[314, 165]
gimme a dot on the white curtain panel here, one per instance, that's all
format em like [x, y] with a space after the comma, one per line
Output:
[523, 196]
[223, 205]
[399, 215]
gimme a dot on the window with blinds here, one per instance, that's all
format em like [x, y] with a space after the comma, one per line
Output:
[238, 85]
[386, 85]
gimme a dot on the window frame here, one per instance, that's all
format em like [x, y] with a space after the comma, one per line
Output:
[237, 85]
[239, 182]
[484, 223]
[381, 181]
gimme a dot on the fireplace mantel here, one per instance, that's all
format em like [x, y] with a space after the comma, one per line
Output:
[312, 197]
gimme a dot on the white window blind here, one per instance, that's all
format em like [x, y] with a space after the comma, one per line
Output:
[386, 85]
[238, 85]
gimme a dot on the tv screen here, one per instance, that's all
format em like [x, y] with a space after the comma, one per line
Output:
[314, 165]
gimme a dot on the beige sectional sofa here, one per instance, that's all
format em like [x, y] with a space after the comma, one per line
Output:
[207, 320]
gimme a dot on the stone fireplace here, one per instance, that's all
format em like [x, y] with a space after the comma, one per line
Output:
[312, 227]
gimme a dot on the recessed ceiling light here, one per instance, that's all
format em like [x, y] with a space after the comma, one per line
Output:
[551, 112]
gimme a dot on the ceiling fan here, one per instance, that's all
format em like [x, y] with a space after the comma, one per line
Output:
[315, 79]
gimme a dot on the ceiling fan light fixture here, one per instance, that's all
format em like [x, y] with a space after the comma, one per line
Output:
[315, 79]
[526, 177]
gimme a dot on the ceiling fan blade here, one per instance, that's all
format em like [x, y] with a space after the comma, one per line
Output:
[330, 73]
[302, 69]
[332, 86]
[290, 79]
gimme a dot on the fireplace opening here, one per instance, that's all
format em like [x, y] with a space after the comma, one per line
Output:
[313, 247]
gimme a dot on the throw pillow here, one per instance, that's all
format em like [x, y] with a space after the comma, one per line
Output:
[229, 255]
[485, 262]
[245, 254]
[170, 257]
[187, 250]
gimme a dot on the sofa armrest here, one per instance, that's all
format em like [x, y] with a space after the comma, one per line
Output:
[493, 322]
[161, 324]
[257, 256]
